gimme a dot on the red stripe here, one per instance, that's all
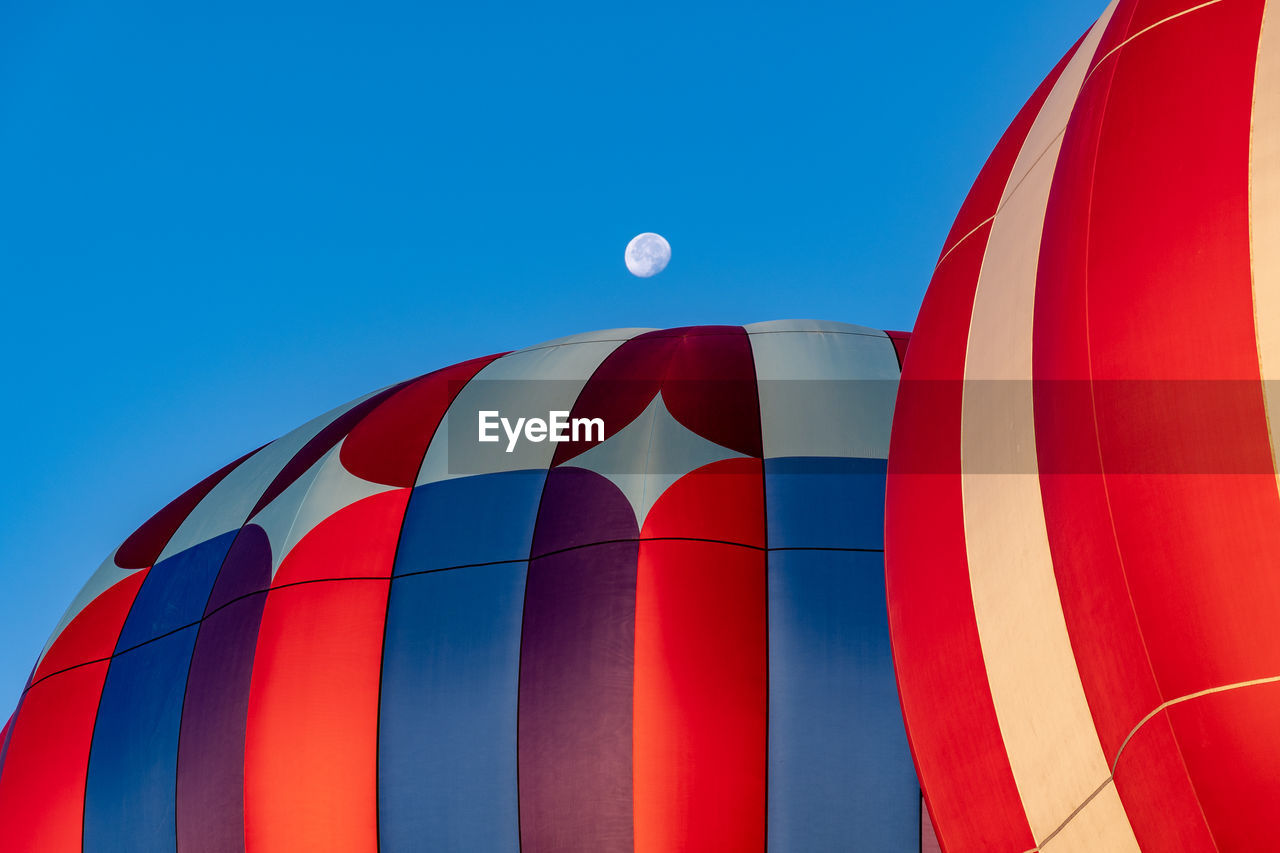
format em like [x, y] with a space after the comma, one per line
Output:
[388, 444]
[701, 675]
[1169, 298]
[900, 342]
[43, 781]
[1229, 740]
[311, 739]
[985, 194]
[1110, 653]
[959, 753]
[144, 545]
[320, 444]
[706, 376]
[1145, 13]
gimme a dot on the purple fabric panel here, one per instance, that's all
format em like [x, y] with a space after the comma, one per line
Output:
[246, 570]
[210, 795]
[580, 507]
[576, 671]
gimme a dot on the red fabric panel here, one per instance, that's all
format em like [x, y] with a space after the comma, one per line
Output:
[701, 698]
[1110, 652]
[388, 445]
[1169, 243]
[320, 444]
[42, 787]
[622, 386]
[1153, 786]
[959, 753]
[722, 501]
[43, 780]
[1231, 741]
[143, 548]
[706, 375]
[357, 541]
[711, 388]
[1170, 298]
[701, 666]
[93, 632]
[1118, 29]
[312, 735]
[900, 341]
[1148, 12]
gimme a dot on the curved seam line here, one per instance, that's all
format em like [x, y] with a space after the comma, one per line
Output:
[243, 596]
[1163, 706]
[1010, 192]
[537, 347]
[815, 332]
[1097, 432]
[1141, 32]
[1254, 682]
[1096, 65]
[1094, 406]
[186, 681]
[957, 243]
[648, 453]
[1007, 196]
[395, 557]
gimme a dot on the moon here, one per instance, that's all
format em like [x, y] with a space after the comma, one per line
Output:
[647, 254]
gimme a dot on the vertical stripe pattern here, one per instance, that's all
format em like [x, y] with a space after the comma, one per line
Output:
[1117, 507]
[378, 633]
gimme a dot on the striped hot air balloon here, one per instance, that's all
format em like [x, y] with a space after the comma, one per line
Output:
[380, 633]
[1083, 523]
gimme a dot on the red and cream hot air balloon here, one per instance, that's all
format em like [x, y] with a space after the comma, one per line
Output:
[1083, 521]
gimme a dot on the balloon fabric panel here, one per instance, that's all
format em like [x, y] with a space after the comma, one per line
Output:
[534, 658]
[311, 741]
[211, 745]
[447, 724]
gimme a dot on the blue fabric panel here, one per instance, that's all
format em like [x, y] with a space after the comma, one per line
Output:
[175, 591]
[840, 773]
[484, 519]
[133, 763]
[825, 502]
[447, 727]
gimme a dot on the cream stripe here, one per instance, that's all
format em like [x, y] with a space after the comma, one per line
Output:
[1255, 682]
[1264, 216]
[1044, 718]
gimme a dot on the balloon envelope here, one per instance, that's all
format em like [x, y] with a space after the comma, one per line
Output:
[1082, 520]
[381, 632]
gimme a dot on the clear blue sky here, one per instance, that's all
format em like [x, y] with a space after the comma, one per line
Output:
[220, 219]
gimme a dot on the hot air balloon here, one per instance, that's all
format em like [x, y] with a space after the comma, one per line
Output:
[1082, 521]
[454, 615]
